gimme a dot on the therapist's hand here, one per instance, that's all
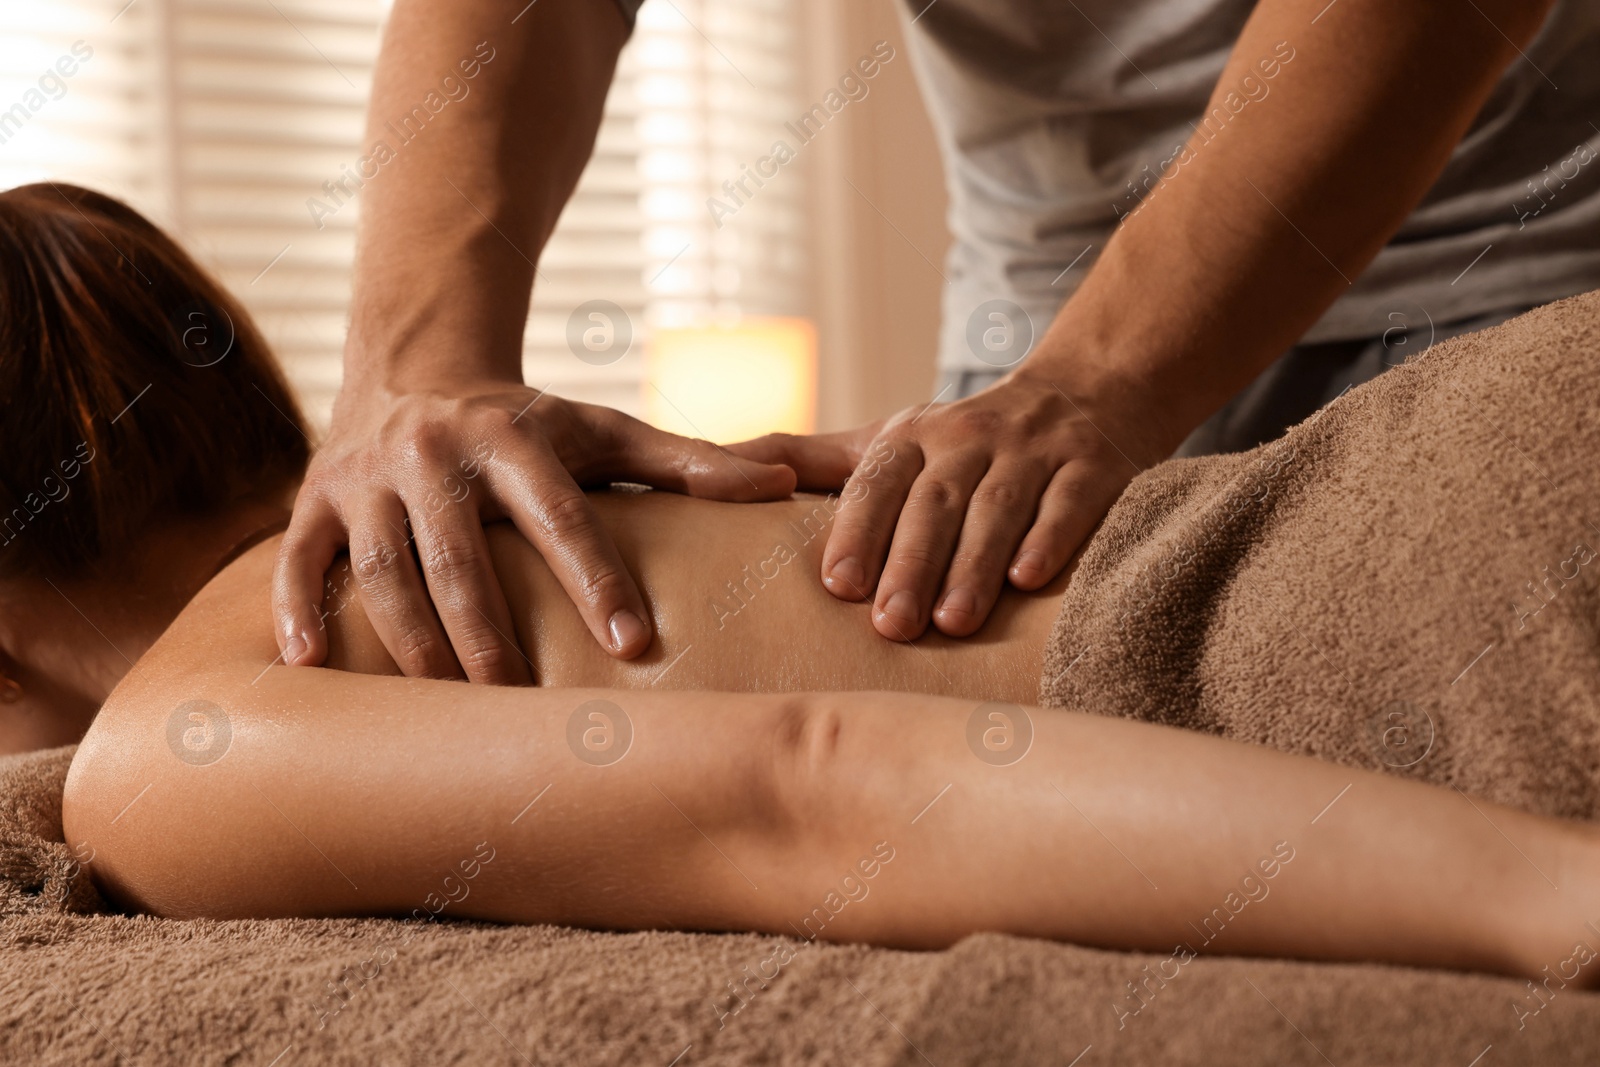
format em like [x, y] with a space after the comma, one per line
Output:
[406, 481]
[943, 503]
[1241, 240]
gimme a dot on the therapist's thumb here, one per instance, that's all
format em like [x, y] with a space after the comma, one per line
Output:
[700, 468]
[821, 462]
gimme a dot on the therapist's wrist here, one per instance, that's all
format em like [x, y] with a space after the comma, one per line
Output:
[1131, 409]
[375, 391]
[460, 320]
[443, 356]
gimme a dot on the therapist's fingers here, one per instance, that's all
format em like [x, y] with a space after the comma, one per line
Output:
[1077, 498]
[315, 535]
[540, 497]
[872, 500]
[821, 462]
[470, 602]
[391, 589]
[998, 515]
[924, 540]
[696, 467]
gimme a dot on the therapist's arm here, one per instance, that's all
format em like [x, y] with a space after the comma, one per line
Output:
[1225, 266]
[434, 430]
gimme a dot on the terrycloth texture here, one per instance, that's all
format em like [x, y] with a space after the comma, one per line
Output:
[86, 991]
[1406, 581]
[38, 872]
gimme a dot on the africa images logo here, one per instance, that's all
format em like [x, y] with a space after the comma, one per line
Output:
[199, 732]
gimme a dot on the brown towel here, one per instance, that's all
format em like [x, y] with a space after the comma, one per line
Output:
[39, 872]
[1406, 581]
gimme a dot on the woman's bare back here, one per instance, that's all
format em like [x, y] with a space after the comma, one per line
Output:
[738, 607]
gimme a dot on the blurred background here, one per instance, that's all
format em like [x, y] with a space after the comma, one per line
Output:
[813, 305]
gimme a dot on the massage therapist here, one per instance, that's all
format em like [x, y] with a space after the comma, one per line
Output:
[1180, 225]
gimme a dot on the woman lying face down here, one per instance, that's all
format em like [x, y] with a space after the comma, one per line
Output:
[766, 759]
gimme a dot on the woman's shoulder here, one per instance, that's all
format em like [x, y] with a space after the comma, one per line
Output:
[228, 625]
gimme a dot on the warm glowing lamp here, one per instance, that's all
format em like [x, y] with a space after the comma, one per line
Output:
[729, 383]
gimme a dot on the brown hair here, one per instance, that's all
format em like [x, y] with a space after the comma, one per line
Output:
[132, 386]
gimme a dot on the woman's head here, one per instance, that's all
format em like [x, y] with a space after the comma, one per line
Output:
[134, 393]
[132, 386]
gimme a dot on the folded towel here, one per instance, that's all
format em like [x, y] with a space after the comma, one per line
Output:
[1405, 581]
[39, 872]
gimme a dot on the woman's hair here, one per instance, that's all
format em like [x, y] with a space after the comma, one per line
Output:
[133, 388]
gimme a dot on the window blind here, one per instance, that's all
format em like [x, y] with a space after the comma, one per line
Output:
[267, 103]
[222, 119]
[97, 126]
[717, 82]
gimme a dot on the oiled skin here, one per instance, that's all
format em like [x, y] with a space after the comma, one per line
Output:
[315, 792]
[738, 607]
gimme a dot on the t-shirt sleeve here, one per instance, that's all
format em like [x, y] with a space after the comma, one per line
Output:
[630, 10]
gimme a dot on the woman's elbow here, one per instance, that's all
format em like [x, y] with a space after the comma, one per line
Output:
[91, 815]
[139, 825]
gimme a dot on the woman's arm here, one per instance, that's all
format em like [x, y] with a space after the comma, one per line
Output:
[865, 817]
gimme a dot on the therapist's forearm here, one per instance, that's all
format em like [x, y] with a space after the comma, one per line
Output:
[454, 221]
[1258, 228]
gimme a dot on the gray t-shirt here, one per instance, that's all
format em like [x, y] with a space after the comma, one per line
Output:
[1054, 115]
